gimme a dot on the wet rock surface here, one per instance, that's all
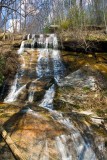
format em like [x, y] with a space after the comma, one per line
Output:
[75, 128]
[51, 134]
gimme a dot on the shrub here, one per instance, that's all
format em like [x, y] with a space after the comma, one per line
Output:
[46, 30]
[65, 24]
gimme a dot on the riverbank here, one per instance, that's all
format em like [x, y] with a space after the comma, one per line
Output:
[84, 41]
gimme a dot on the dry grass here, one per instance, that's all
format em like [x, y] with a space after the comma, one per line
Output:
[79, 35]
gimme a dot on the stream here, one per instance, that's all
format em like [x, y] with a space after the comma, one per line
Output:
[39, 130]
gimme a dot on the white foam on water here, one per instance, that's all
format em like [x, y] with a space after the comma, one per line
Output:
[47, 101]
[65, 155]
[14, 94]
[12, 90]
[21, 50]
[28, 37]
[43, 68]
[84, 150]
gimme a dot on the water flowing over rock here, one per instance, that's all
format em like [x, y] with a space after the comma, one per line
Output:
[53, 134]
[48, 98]
[50, 64]
[21, 50]
[41, 86]
[29, 36]
[41, 41]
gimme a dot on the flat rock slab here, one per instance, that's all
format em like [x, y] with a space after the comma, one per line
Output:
[43, 134]
[82, 89]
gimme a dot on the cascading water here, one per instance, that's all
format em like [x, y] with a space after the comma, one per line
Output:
[48, 98]
[84, 150]
[14, 94]
[16, 88]
[21, 50]
[28, 36]
[71, 145]
[50, 65]
[41, 41]
[49, 61]
[43, 68]
[58, 67]
[13, 89]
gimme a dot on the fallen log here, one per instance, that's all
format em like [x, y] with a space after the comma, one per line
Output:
[15, 151]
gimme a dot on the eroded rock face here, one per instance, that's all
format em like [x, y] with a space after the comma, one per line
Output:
[86, 76]
[38, 88]
[47, 134]
[82, 88]
[23, 95]
[51, 134]
[34, 90]
[36, 138]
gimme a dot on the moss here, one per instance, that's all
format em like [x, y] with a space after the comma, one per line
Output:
[65, 24]
[28, 41]
[86, 89]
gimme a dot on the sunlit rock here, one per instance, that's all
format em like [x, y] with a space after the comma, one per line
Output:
[79, 90]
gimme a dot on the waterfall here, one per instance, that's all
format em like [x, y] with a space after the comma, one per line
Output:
[58, 66]
[50, 64]
[68, 144]
[29, 36]
[34, 43]
[12, 90]
[51, 42]
[15, 87]
[46, 42]
[55, 42]
[84, 149]
[33, 36]
[43, 68]
[47, 101]
[13, 95]
[49, 60]
[21, 50]
[65, 155]
[41, 41]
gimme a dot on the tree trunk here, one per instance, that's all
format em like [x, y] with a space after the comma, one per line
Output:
[81, 4]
